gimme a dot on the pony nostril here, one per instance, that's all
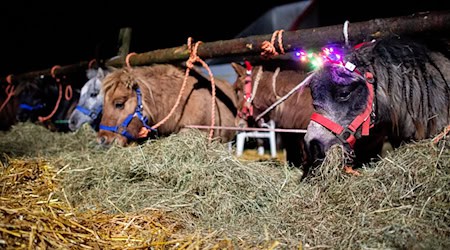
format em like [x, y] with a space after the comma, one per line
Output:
[102, 140]
[316, 149]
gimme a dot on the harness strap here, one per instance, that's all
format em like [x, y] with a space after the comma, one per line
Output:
[345, 135]
[29, 107]
[92, 114]
[140, 108]
[247, 107]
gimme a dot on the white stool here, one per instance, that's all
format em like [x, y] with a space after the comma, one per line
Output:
[241, 136]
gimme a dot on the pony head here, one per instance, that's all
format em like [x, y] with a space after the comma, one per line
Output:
[122, 119]
[36, 98]
[89, 107]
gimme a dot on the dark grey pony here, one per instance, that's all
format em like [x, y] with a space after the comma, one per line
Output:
[394, 89]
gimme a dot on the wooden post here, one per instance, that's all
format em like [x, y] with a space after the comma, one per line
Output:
[124, 42]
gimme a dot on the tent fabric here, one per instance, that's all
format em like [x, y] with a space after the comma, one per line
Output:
[291, 16]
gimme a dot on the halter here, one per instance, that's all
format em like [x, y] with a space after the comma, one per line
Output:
[348, 135]
[92, 114]
[122, 128]
[31, 108]
[247, 107]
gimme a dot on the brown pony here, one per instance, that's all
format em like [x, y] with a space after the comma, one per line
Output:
[270, 82]
[137, 99]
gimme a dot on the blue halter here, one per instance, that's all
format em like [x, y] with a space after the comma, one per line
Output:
[92, 114]
[122, 128]
[30, 108]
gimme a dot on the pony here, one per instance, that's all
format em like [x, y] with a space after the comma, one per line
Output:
[258, 87]
[151, 98]
[395, 89]
[42, 100]
[90, 103]
[8, 107]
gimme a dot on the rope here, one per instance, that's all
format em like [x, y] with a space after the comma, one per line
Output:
[269, 47]
[441, 135]
[68, 92]
[256, 83]
[9, 79]
[302, 131]
[274, 81]
[282, 99]
[9, 90]
[193, 58]
[127, 59]
[43, 119]
[345, 31]
[52, 72]
[91, 62]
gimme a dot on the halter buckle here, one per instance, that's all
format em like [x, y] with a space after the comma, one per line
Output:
[93, 115]
[347, 136]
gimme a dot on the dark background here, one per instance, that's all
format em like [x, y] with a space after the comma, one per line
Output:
[37, 35]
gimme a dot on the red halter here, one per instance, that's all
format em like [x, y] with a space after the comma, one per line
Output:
[348, 134]
[247, 107]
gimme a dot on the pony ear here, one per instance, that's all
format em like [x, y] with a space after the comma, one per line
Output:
[100, 73]
[240, 70]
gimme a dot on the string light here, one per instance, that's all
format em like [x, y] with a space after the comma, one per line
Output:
[316, 60]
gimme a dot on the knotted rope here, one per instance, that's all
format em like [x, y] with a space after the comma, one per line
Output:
[269, 47]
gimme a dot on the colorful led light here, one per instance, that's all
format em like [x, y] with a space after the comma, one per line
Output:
[315, 60]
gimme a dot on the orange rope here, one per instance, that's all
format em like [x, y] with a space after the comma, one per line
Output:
[269, 47]
[68, 92]
[52, 72]
[9, 90]
[193, 57]
[127, 59]
[9, 79]
[441, 135]
[42, 119]
[91, 62]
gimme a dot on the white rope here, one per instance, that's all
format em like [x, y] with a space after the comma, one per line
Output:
[256, 83]
[282, 99]
[274, 81]
[345, 31]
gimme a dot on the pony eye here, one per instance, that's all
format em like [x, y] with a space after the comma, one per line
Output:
[343, 96]
[119, 105]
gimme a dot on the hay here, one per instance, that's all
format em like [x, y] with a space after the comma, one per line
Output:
[401, 201]
[33, 218]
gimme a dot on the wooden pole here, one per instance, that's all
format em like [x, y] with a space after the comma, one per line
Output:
[68, 69]
[426, 23]
[306, 38]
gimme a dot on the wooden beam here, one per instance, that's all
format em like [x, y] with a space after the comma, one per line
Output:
[435, 22]
[68, 69]
[426, 23]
